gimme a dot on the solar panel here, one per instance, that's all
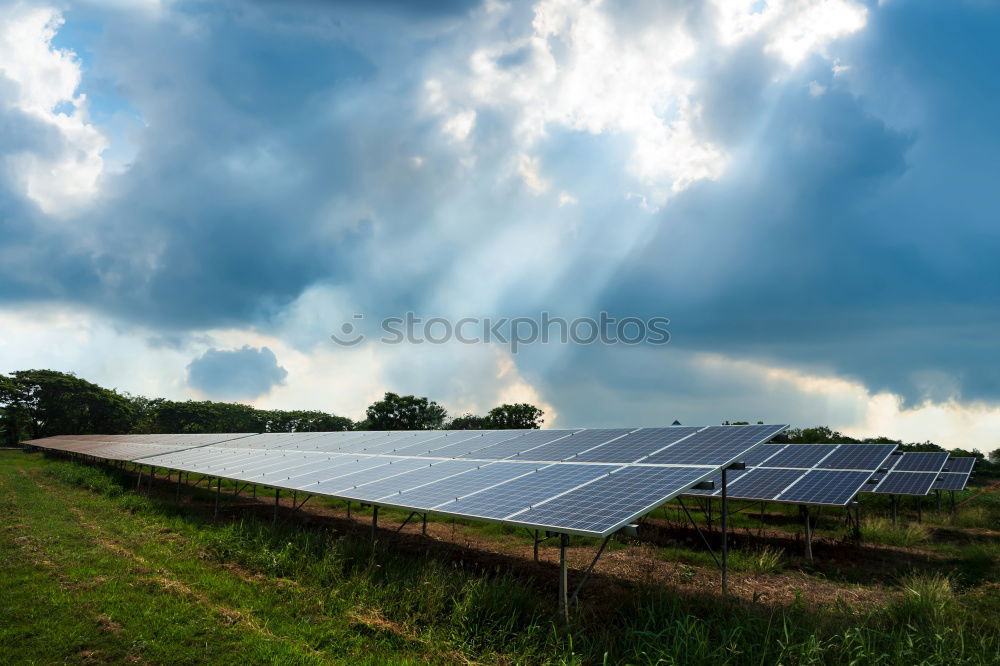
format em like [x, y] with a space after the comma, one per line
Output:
[636, 445]
[956, 476]
[778, 473]
[951, 481]
[512, 447]
[713, 446]
[823, 486]
[858, 456]
[518, 494]
[962, 465]
[569, 447]
[921, 461]
[586, 482]
[762, 482]
[906, 483]
[801, 456]
[606, 504]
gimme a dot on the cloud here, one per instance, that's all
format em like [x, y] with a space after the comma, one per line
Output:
[287, 168]
[235, 374]
[41, 82]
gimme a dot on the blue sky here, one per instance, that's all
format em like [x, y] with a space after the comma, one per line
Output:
[194, 196]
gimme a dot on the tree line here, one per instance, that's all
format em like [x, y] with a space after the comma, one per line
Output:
[43, 403]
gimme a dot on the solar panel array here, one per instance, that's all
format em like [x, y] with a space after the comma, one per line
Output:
[955, 475]
[584, 481]
[827, 474]
[912, 473]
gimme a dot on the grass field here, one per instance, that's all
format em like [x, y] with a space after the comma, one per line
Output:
[93, 572]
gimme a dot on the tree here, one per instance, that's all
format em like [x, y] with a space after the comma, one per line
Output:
[520, 415]
[995, 456]
[46, 402]
[306, 421]
[403, 412]
[469, 422]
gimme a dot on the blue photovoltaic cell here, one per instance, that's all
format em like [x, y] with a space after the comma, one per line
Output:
[428, 446]
[343, 483]
[906, 483]
[921, 461]
[394, 485]
[762, 453]
[367, 466]
[612, 500]
[951, 481]
[826, 486]
[318, 472]
[523, 492]
[513, 446]
[468, 445]
[960, 465]
[427, 497]
[715, 446]
[636, 445]
[763, 483]
[801, 457]
[868, 457]
[567, 447]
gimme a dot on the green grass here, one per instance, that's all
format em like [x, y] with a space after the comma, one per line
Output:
[93, 572]
[881, 530]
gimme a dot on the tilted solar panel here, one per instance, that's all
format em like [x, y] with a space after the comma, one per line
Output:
[588, 481]
[801, 456]
[906, 483]
[858, 456]
[921, 461]
[826, 486]
[962, 465]
[951, 481]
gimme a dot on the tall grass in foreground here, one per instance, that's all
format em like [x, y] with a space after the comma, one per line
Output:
[881, 530]
[493, 615]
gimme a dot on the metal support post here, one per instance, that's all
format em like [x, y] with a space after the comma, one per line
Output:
[808, 534]
[937, 503]
[348, 509]
[374, 521]
[536, 545]
[725, 535]
[408, 518]
[563, 580]
[277, 497]
[218, 493]
[138, 480]
[893, 502]
[423, 530]
[177, 495]
[149, 486]
[586, 574]
[857, 521]
[920, 506]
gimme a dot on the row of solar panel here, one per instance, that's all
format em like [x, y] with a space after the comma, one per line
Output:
[835, 474]
[713, 445]
[595, 494]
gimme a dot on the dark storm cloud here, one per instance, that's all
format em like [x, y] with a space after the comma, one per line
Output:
[853, 232]
[235, 374]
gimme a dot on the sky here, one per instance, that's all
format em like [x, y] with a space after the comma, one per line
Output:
[194, 196]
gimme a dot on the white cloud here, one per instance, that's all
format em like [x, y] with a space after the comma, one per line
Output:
[850, 407]
[793, 29]
[816, 89]
[46, 81]
[530, 170]
[578, 67]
